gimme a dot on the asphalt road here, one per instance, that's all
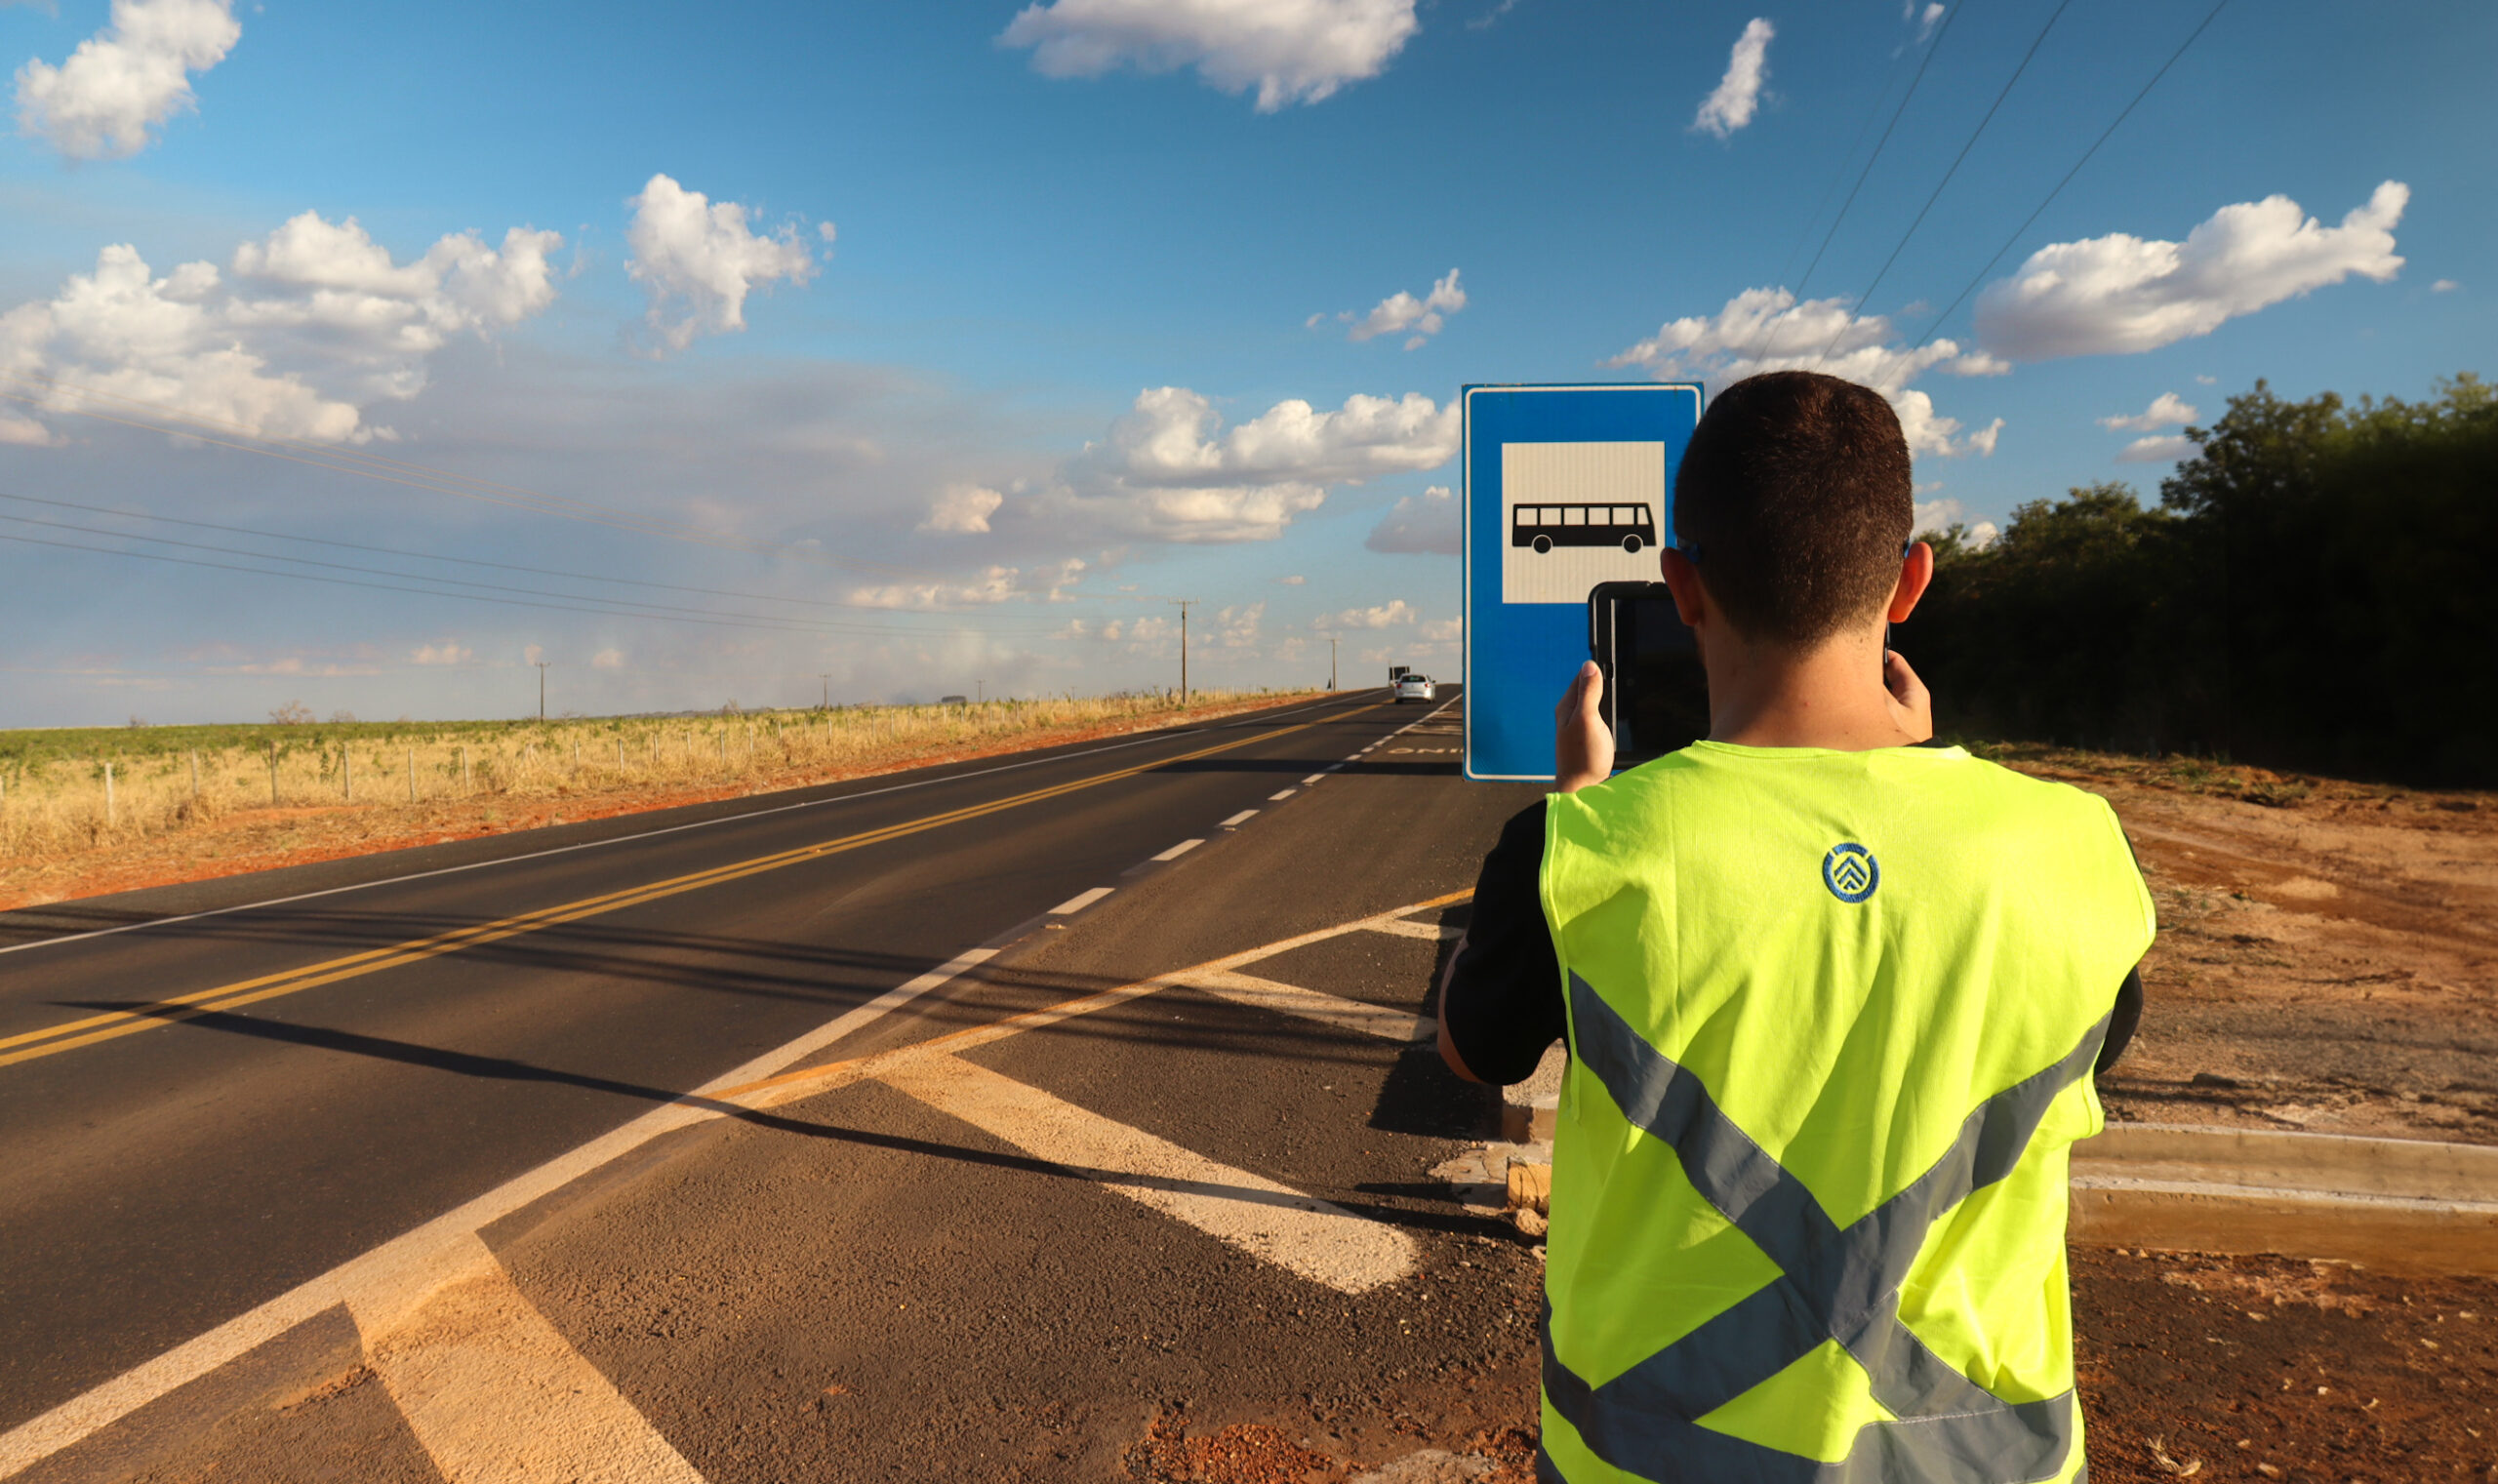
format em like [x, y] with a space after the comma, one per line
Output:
[200, 1114]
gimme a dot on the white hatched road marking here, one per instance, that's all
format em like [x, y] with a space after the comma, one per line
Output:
[1178, 850]
[1237, 819]
[1321, 1242]
[1312, 1005]
[1080, 900]
[497, 1395]
[1433, 931]
[398, 1277]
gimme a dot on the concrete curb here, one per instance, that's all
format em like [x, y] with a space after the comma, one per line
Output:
[2396, 1205]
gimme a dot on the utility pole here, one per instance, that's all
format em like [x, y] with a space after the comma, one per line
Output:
[1331, 662]
[826, 679]
[542, 686]
[1184, 605]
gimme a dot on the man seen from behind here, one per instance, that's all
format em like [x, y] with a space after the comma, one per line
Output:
[1833, 1002]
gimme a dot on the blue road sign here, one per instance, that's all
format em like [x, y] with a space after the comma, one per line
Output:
[1565, 486]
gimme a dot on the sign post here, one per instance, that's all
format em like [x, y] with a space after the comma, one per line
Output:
[1565, 486]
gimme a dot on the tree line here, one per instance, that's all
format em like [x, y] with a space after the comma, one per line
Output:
[2316, 589]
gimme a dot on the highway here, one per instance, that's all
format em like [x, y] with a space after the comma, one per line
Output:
[216, 1106]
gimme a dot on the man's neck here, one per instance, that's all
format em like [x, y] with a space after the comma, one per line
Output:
[1831, 696]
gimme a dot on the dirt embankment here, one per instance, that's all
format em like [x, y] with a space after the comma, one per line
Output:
[2328, 951]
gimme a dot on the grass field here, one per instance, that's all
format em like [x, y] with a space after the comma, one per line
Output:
[72, 797]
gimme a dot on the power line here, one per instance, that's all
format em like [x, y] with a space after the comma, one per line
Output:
[1805, 234]
[1971, 286]
[1870, 160]
[366, 465]
[429, 592]
[629, 607]
[587, 576]
[1971, 144]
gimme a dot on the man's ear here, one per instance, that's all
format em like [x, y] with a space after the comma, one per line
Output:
[1683, 579]
[1916, 572]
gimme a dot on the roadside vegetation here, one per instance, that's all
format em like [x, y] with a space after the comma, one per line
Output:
[81, 809]
[2312, 591]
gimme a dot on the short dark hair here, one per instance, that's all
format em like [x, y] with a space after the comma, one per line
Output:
[1795, 492]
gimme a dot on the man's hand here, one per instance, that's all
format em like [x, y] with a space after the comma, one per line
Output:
[1583, 745]
[1911, 708]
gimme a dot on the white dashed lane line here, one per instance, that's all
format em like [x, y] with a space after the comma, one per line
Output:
[1080, 900]
[1313, 777]
[1237, 819]
[1277, 798]
[1178, 850]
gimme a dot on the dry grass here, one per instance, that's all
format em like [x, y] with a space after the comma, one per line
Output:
[109, 809]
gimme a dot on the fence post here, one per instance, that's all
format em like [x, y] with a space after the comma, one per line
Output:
[272, 774]
[346, 771]
[412, 775]
[576, 754]
[108, 793]
[194, 774]
[464, 765]
[620, 754]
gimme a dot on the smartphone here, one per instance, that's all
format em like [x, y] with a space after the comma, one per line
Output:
[1656, 696]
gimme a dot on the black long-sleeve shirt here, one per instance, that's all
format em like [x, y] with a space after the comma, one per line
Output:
[1501, 1001]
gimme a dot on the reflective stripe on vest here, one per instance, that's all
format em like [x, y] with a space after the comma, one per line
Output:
[1835, 1283]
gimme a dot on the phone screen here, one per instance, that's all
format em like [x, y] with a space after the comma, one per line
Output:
[1656, 696]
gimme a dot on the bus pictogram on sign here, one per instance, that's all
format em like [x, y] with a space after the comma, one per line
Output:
[1541, 528]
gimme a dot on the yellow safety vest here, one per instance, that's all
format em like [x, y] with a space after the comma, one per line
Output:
[1832, 1020]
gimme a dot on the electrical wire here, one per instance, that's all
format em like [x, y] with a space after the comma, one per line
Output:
[1970, 144]
[431, 592]
[1975, 278]
[1941, 32]
[586, 576]
[348, 461]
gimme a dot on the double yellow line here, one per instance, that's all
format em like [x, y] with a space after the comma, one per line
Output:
[72, 1034]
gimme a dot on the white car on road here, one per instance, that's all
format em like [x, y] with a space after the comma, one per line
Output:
[1416, 688]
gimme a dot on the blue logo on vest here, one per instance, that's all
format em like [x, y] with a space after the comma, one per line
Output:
[1850, 873]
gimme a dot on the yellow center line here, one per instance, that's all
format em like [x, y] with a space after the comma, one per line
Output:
[67, 1036]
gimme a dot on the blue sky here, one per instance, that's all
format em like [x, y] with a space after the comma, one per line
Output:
[954, 341]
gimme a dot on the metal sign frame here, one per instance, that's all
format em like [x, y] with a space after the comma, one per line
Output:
[1521, 652]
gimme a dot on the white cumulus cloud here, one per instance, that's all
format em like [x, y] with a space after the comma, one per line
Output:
[127, 78]
[2159, 447]
[1737, 96]
[608, 660]
[962, 509]
[1401, 311]
[1171, 472]
[1423, 523]
[2167, 410]
[1296, 579]
[2444, 286]
[2120, 294]
[1388, 615]
[698, 260]
[1046, 584]
[445, 653]
[1769, 330]
[314, 324]
[1291, 50]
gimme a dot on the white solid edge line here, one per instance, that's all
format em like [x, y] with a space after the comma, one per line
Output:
[1178, 850]
[647, 834]
[1237, 819]
[413, 1263]
[1080, 900]
[410, 1265]
[1277, 798]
